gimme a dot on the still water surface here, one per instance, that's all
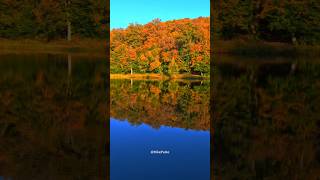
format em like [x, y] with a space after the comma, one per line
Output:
[52, 121]
[167, 116]
[52, 117]
[266, 118]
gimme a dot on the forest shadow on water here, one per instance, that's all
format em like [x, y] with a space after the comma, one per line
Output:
[52, 117]
[148, 116]
[266, 118]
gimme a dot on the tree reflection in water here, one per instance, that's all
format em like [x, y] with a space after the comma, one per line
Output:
[52, 117]
[266, 119]
[152, 115]
[183, 104]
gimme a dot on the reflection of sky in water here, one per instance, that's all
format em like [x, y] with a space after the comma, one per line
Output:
[130, 157]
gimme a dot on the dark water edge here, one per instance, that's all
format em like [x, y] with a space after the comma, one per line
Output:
[52, 117]
[266, 118]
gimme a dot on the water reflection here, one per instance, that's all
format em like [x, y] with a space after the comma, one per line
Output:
[159, 116]
[52, 119]
[266, 123]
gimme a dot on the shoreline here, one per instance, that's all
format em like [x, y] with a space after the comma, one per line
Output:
[154, 76]
[61, 46]
[243, 47]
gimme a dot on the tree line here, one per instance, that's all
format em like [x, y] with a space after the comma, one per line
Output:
[290, 21]
[52, 19]
[176, 46]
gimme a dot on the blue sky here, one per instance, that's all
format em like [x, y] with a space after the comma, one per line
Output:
[124, 12]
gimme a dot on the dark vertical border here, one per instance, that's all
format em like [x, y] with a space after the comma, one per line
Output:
[211, 91]
[107, 15]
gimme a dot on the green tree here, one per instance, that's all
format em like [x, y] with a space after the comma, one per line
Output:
[82, 17]
[50, 19]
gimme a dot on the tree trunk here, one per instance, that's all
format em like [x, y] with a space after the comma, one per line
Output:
[294, 39]
[69, 30]
[131, 71]
[293, 67]
[67, 6]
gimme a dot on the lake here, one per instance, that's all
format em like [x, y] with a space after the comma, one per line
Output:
[266, 118]
[53, 116]
[53, 121]
[159, 130]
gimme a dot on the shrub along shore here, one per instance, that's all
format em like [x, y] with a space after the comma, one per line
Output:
[157, 76]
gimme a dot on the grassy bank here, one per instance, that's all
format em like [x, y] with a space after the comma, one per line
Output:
[154, 76]
[89, 46]
[265, 49]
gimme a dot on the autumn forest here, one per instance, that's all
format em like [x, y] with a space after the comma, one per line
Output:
[52, 19]
[172, 47]
[286, 21]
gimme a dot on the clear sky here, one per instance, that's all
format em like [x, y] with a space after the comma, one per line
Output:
[124, 12]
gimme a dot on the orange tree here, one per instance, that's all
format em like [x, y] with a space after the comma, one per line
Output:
[170, 47]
